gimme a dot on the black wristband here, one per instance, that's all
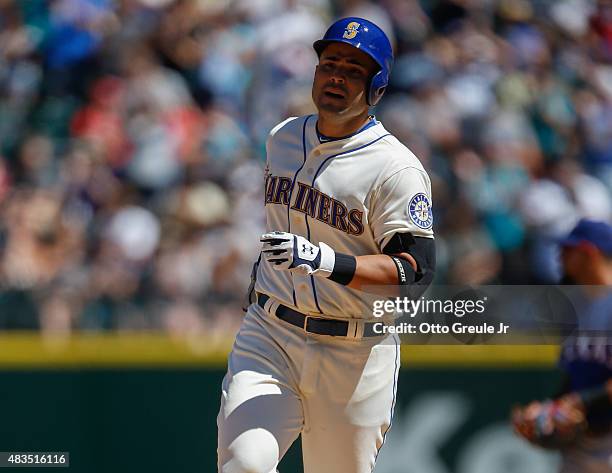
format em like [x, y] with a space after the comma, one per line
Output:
[344, 269]
[405, 272]
[407, 279]
[595, 399]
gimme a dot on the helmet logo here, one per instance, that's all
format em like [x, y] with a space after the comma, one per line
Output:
[351, 30]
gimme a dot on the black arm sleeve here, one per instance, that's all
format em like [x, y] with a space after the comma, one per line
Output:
[423, 250]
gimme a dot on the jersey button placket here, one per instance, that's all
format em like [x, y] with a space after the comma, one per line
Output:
[315, 155]
[298, 219]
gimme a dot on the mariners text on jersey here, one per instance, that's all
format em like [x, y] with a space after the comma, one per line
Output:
[316, 204]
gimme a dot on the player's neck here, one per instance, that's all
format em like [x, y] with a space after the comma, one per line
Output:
[332, 127]
[604, 275]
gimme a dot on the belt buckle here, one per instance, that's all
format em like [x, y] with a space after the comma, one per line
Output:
[306, 323]
[310, 317]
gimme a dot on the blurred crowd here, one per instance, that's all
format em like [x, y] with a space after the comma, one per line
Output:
[132, 138]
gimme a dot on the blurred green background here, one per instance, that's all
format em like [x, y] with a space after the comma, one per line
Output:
[149, 403]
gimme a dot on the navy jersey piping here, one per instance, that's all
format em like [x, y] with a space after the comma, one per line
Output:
[314, 288]
[396, 374]
[345, 152]
[291, 191]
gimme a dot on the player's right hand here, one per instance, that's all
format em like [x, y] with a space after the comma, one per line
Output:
[286, 251]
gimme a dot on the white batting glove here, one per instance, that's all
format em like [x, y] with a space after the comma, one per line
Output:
[286, 251]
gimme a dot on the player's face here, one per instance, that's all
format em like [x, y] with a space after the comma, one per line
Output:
[576, 262]
[341, 78]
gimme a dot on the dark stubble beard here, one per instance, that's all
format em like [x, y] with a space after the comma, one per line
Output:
[329, 106]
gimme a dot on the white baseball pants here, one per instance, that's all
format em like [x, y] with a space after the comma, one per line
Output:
[338, 393]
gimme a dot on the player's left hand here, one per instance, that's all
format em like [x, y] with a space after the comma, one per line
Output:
[286, 251]
[554, 424]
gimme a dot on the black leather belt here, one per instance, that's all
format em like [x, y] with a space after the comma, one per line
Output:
[318, 325]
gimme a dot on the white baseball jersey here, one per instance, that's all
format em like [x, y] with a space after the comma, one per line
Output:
[352, 193]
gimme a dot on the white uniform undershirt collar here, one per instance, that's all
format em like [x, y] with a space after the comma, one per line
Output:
[326, 139]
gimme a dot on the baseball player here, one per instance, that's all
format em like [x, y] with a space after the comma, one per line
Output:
[579, 422]
[347, 206]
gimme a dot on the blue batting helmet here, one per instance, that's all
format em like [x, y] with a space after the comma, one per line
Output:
[366, 36]
[599, 234]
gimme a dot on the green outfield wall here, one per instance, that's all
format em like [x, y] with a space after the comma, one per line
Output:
[148, 403]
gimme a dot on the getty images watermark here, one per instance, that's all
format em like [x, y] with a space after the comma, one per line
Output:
[521, 315]
[459, 308]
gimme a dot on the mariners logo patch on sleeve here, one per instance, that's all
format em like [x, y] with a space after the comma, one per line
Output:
[420, 211]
